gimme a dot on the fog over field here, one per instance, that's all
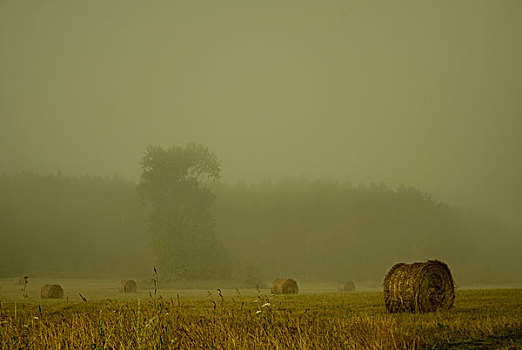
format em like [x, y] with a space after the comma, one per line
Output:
[405, 93]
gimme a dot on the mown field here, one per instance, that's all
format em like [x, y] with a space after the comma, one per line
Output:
[318, 318]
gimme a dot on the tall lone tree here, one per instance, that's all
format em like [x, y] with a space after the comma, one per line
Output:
[174, 188]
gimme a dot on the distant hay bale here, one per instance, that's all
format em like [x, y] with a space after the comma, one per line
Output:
[284, 286]
[373, 285]
[52, 291]
[19, 281]
[128, 286]
[348, 286]
[419, 287]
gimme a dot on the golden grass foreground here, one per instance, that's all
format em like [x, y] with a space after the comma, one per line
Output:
[480, 319]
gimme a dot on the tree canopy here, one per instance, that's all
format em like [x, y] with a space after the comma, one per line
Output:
[174, 189]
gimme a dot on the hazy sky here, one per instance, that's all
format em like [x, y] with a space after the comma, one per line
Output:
[405, 92]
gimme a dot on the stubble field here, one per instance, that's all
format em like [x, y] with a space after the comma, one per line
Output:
[317, 318]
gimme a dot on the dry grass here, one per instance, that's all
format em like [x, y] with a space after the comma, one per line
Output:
[221, 321]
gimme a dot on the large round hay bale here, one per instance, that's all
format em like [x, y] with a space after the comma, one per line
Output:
[51, 291]
[284, 286]
[347, 286]
[419, 287]
[128, 286]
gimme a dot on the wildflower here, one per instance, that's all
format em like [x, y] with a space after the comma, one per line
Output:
[36, 318]
[258, 312]
[265, 305]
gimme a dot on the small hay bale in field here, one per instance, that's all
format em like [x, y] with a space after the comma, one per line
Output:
[20, 281]
[419, 287]
[52, 291]
[348, 286]
[128, 286]
[284, 286]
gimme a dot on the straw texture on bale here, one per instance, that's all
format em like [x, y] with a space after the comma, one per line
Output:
[348, 286]
[51, 291]
[128, 286]
[419, 287]
[284, 286]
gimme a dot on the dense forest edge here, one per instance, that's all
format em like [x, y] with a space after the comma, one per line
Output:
[312, 230]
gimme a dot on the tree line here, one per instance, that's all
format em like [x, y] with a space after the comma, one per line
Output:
[59, 224]
[180, 217]
[329, 230]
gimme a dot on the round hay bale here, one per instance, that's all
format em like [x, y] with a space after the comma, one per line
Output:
[419, 287]
[20, 281]
[284, 286]
[51, 291]
[348, 286]
[128, 286]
